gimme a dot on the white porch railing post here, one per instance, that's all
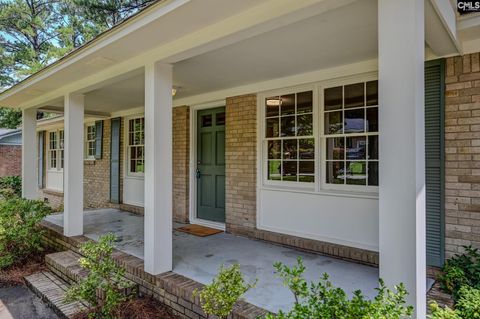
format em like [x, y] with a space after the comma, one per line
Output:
[29, 153]
[73, 165]
[158, 168]
[402, 141]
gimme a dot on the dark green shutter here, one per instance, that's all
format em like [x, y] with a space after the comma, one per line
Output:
[98, 139]
[41, 159]
[115, 160]
[434, 160]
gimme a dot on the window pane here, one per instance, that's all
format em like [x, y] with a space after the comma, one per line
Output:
[305, 125]
[335, 172]
[290, 171]
[133, 167]
[287, 104]
[372, 93]
[133, 153]
[131, 139]
[306, 148]
[220, 119]
[306, 167]
[289, 149]
[131, 125]
[306, 178]
[272, 129]
[274, 149]
[140, 167]
[206, 120]
[356, 147]
[354, 95]
[274, 170]
[373, 173]
[355, 121]
[372, 119]
[287, 126]
[356, 173]
[272, 106]
[333, 98]
[335, 148]
[373, 147]
[304, 102]
[333, 123]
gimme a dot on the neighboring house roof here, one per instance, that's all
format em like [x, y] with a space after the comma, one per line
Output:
[10, 137]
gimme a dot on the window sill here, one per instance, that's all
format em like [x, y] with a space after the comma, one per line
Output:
[323, 192]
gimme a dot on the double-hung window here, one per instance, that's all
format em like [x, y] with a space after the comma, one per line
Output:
[56, 150]
[136, 146]
[350, 132]
[289, 138]
[90, 142]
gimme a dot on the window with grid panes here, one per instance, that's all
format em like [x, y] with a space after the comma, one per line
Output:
[350, 114]
[136, 145]
[90, 141]
[289, 140]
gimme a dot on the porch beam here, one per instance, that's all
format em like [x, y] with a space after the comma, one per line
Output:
[73, 165]
[29, 153]
[158, 168]
[402, 143]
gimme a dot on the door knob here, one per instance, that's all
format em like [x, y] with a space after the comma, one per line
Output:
[198, 173]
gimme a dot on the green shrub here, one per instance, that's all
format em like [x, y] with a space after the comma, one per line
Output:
[467, 306]
[20, 234]
[323, 300]
[219, 297]
[460, 270]
[10, 186]
[105, 286]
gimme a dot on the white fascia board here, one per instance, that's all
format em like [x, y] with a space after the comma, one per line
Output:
[259, 19]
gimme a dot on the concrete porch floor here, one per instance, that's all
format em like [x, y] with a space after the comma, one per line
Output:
[200, 258]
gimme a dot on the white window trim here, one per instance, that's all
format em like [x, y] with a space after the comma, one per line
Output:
[58, 150]
[128, 173]
[319, 186]
[86, 156]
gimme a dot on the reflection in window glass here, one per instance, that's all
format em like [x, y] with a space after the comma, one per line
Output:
[289, 135]
[351, 134]
[220, 119]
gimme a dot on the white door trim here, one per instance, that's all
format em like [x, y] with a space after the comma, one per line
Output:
[192, 167]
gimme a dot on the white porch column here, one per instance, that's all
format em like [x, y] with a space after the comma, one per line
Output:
[29, 153]
[158, 168]
[73, 165]
[402, 142]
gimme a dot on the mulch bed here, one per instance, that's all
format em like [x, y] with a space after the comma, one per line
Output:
[13, 275]
[138, 308]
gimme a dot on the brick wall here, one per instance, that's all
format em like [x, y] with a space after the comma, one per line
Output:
[181, 137]
[240, 164]
[10, 160]
[462, 152]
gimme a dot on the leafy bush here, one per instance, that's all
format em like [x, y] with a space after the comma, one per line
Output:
[460, 270]
[219, 297]
[467, 306]
[323, 300]
[105, 287]
[20, 234]
[10, 186]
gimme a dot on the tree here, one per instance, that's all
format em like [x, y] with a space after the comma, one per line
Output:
[10, 118]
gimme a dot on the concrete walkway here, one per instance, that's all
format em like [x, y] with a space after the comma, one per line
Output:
[20, 303]
[199, 258]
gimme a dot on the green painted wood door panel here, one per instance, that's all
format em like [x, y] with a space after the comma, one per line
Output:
[211, 164]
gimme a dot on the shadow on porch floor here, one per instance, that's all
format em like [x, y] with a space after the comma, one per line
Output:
[199, 258]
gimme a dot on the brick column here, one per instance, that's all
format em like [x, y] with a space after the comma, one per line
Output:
[240, 159]
[181, 144]
[462, 153]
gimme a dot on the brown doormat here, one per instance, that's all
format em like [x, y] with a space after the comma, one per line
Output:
[199, 230]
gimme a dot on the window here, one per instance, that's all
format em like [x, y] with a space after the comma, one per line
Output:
[289, 140]
[350, 116]
[136, 147]
[90, 147]
[56, 150]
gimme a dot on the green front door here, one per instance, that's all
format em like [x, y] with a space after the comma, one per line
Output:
[211, 164]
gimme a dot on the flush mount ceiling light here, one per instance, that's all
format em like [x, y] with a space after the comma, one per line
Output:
[175, 90]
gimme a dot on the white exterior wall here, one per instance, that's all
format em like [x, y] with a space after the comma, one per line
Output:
[350, 221]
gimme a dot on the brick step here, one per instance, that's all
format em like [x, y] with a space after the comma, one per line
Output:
[52, 290]
[66, 265]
